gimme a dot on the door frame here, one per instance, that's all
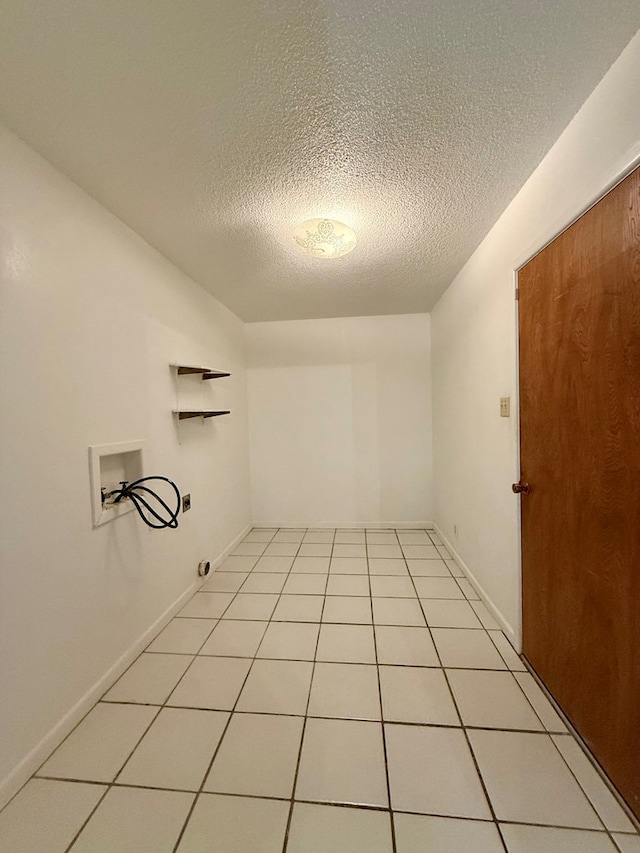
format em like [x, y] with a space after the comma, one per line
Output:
[556, 229]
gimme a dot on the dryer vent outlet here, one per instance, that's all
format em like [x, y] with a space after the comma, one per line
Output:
[204, 567]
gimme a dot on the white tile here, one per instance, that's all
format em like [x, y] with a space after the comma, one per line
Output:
[489, 699]
[454, 568]
[397, 611]
[416, 695]
[255, 606]
[417, 833]
[312, 565]
[289, 535]
[274, 565]
[101, 743]
[384, 551]
[258, 756]
[434, 537]
[596, 790]
[420, 552]
[211, 683]
[277, 687]
[431, 770]
[224, 582]
[299, 608]
[176, 751]
[282, 549]
[346, 643]
[413, 537]
[533, 839]
[348, 585]
[348, 690]
[466, 648]
[349, 537]
[543, 708]
[249, 549]
[227, 824]
[183, 636]
[428, 569]
[507, 651]
[328, 829]
[438, 588]
[264, 582]
[389, 566]
[238, 564]
[207, 605]
[405, 646]
[381, 538]
[347, 610]
[319, 536]
[467, 589]
[392, 587]
[260, 534]
[290, 641]
[348, 566]
[302, 584]
[315, 550]
[528, 781]
[342, 761]
[443, 613]
[150, 679]
[235, 639]
[46, 815]
[131, 820]
[444, 553]
[628, 843]
[484, 616]
[343, 550]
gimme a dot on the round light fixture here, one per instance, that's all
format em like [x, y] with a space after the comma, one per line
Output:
[325, 238]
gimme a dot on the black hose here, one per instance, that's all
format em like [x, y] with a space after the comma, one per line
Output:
[132, 491]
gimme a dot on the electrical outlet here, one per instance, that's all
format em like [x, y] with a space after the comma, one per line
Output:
[186, 503]
[505, 407]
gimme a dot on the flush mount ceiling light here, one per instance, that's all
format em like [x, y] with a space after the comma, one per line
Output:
[325, 238]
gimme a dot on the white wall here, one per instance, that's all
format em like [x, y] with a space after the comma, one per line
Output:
[90, 318]
[340, 420]
[474, 336]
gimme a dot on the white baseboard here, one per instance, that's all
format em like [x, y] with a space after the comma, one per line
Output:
[21, 774]
[506, 626]
[355, 525]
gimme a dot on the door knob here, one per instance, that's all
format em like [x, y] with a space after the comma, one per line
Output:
[521, 488]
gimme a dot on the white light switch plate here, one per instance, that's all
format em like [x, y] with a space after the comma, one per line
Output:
[505, 407]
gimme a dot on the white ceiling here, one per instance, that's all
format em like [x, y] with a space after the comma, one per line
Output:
[213, 127]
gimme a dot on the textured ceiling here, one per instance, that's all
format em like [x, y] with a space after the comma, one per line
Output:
[213, 127]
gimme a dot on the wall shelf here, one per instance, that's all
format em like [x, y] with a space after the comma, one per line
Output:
[184, 414]
[206, 372]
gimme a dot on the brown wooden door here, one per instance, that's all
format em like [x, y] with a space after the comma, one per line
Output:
[579, 352]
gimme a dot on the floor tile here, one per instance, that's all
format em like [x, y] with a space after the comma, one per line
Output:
[315, 550]
[290, 641]
[235, 639]
[131, 820]
[528, 781]
[443, 613]
[467, 589]
[417, 833]
[176, 751]
[289, 535]
[349, 537]
[382, 538]
[405, 646]
[258, 756]
[384, 551]
[411, 538]
[183, 636]
[392, 587]
[434, 537]
[431, 770]
[348, 566]
[254, 606]
[343, 550]
[466, 648]
[507, 652]
[533, 839]
[416, 695]
[98, 747]
[249, 549]
[300, 608]
[260, 534]
[438, 588]
[302, 584]
[313, 565]
[357, 585]
[347, 690]
[211, 683]
[454, 568]
[224, 582]
[319, 535]
[389, 566]
[347, 610]
[238, 564]
[428, 569]
[328, 829]
[484, 616]
[274, 565]
[223, 824]
[420, 552]
[596, 790]
[397, 611]
[264, 582]
[342, 761]
[346, 643]
[46, 815]
[282, 549]
[444, 553]
[207, 605]
[150, 679]
[541, 705]
[277, 687]
[489, 699]
[628, 843]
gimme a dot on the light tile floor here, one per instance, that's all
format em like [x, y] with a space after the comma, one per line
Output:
[325, 691]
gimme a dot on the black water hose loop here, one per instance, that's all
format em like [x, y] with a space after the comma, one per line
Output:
[133, 490]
